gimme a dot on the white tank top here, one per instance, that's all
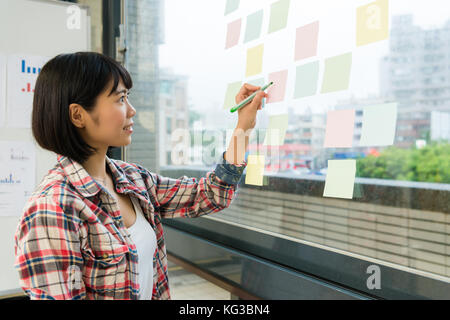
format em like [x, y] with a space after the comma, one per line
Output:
[144, 238]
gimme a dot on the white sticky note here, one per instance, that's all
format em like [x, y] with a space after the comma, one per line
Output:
[378, 125]
[340, 179]
[276, 132]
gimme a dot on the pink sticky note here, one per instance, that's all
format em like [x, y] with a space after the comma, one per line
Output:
[306, 41]
[277, 91]
[340, 126]
[233, 33]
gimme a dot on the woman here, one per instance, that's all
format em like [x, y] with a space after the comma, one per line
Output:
[92, 228]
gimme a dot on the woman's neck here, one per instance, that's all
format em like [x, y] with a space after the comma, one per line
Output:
[95, 165]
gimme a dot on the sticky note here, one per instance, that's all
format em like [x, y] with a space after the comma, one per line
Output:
[147, 120]
[306, 80]
[233, 33]
[378, 125]
[254, 60]
[255, 170]
[340, 179]
[279, 12]
[259, 83]
[340, 128]
[277, 91]
[231, 6]
[276, 132]
[230, 95]
[254, 26]
[306, 41]
[372, 22]
[337, 73]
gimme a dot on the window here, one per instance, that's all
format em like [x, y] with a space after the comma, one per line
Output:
[398, 215]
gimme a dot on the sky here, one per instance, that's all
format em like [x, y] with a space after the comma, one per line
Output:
[195, 33]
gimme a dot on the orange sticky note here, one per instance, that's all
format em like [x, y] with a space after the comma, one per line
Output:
[340, 128]
[277, 91]
[233, 33]
[306, 41]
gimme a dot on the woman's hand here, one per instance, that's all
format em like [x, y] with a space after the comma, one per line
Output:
[247, 114]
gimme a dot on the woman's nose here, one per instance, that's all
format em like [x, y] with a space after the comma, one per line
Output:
[131, 111]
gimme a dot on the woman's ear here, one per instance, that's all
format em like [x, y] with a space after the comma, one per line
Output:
[76, 114]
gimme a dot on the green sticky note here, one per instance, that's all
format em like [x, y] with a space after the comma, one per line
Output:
[254, 25]
[255, 170]
[276, 132]
[260, 82]
[340, 179]
[337, 73]
[306, 80]
[279, 15]
[378, 125]
[231, 6]
[230, 95]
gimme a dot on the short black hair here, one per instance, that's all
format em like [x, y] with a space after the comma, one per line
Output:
[71, 78]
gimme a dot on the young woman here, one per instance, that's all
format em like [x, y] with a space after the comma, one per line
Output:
[92, 228]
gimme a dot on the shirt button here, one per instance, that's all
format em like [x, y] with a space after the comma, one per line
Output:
[105, 255]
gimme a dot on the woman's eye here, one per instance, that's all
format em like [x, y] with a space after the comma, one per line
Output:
[121, 99]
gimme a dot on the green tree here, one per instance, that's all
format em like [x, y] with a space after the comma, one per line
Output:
[429, 164]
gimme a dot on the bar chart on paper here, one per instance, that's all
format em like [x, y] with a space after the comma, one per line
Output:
[17, 176]
[22, 72]
[28, 69]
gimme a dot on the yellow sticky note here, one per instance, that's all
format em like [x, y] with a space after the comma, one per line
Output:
[255, 170]
[372, 22]
[254, 60]
[340, 179]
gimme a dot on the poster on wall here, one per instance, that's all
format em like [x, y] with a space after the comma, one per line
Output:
[17, 176]
[22, 72]
[2, 90]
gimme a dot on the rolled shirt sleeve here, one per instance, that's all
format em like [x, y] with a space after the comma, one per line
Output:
[192, 197]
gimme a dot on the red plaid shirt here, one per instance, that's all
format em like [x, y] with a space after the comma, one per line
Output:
[71, 242]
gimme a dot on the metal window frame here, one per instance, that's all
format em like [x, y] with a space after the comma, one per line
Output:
[113, 17]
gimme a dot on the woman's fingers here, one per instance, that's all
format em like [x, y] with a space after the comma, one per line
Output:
[251, 87]
[245, 91]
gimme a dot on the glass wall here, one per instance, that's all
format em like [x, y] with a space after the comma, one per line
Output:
[364, 164]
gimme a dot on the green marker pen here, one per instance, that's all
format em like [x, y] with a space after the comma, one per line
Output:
[249, 99]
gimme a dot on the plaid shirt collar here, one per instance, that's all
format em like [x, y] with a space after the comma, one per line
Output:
[87, 186]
